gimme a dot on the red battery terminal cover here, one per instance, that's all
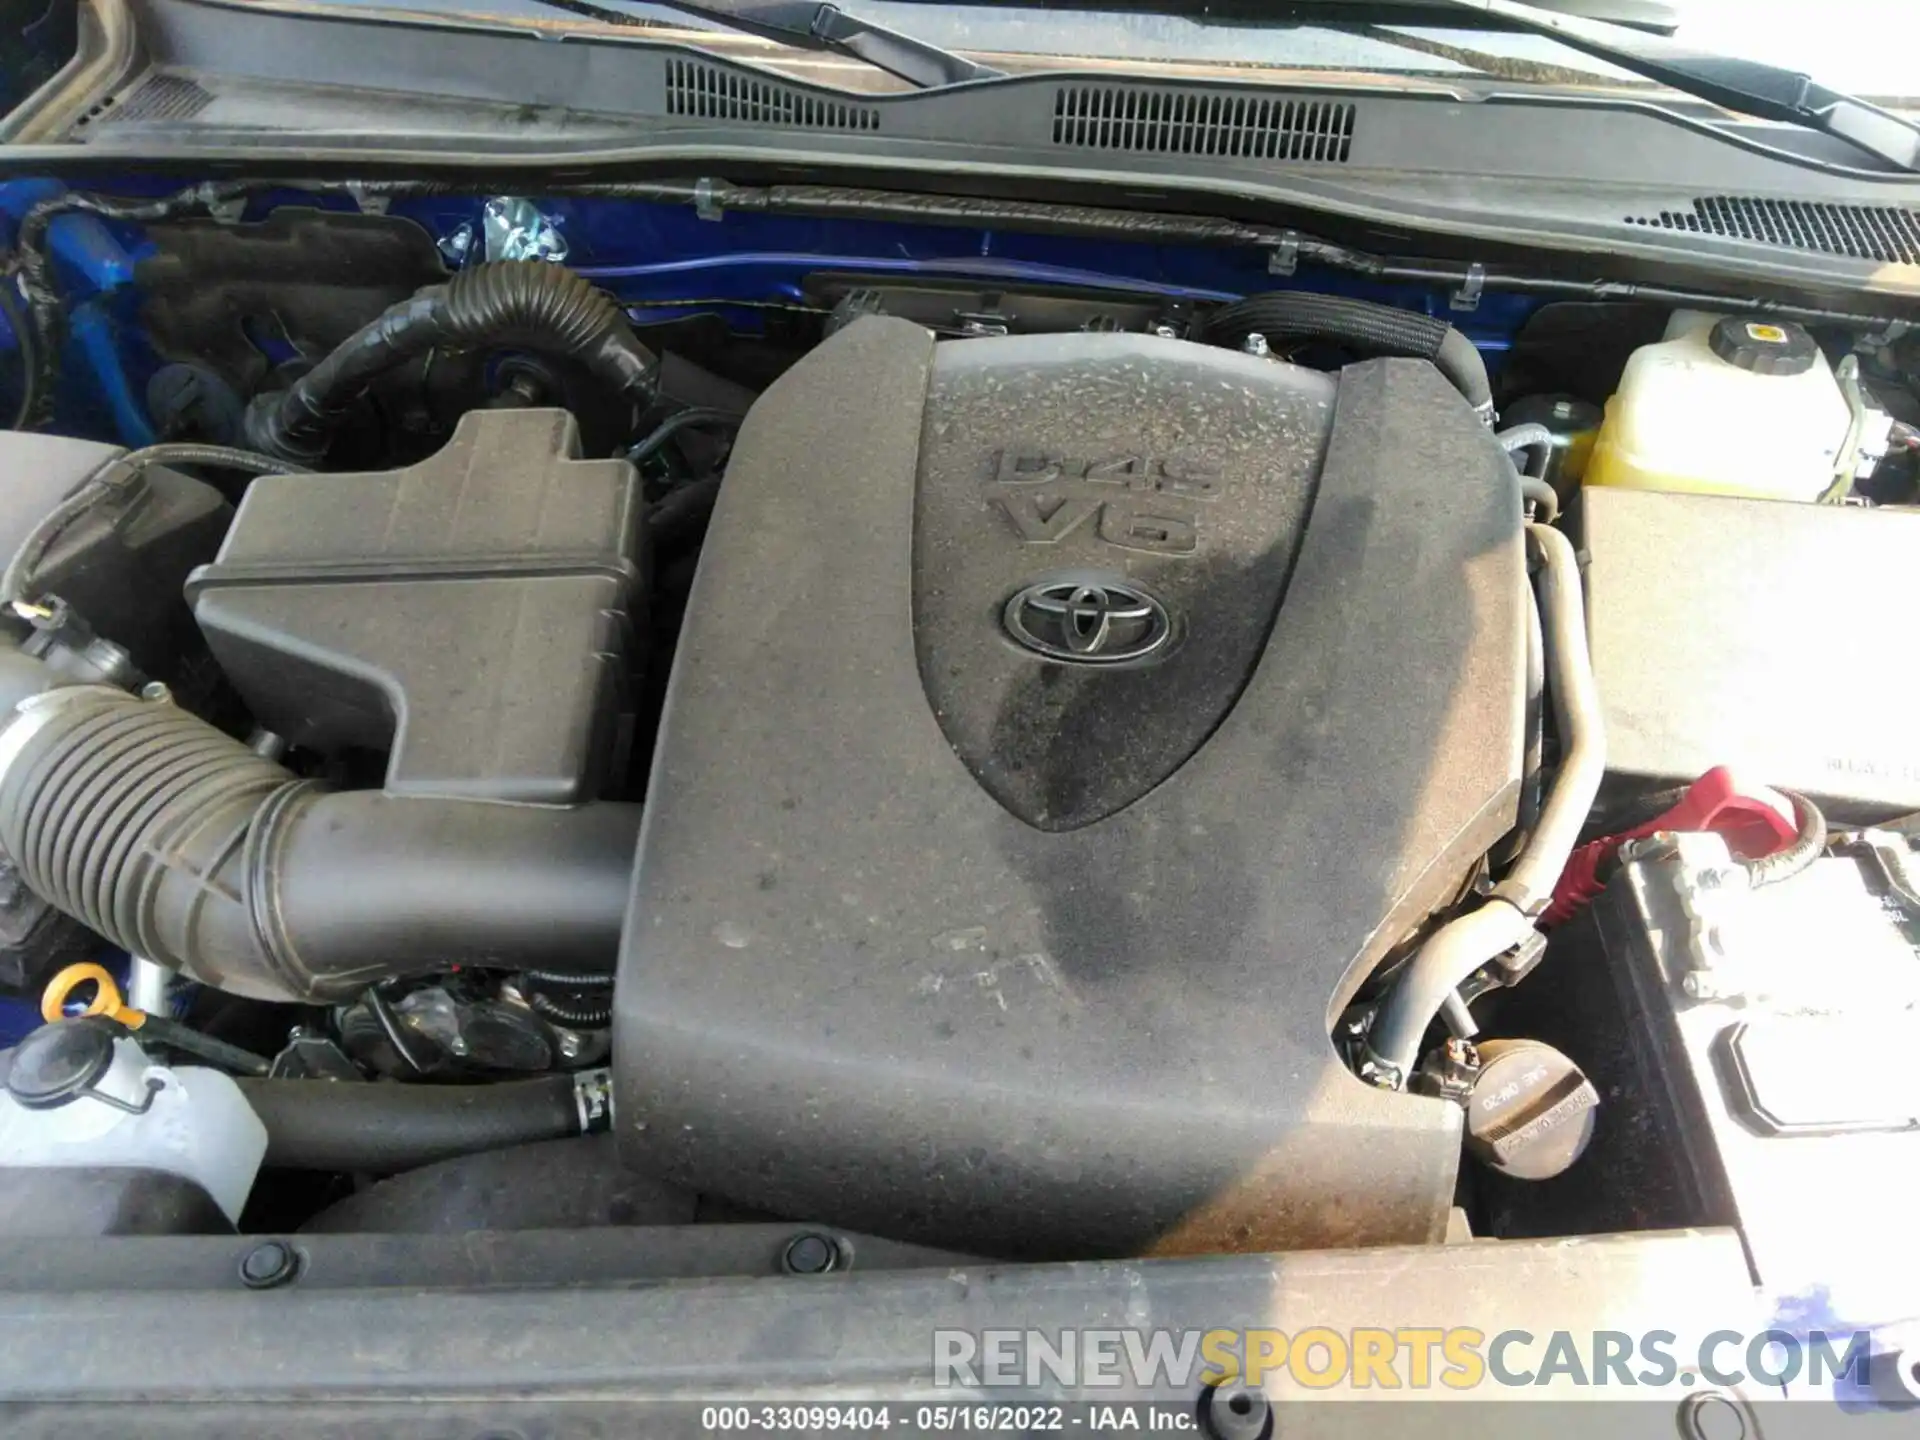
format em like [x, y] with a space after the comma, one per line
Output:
[1756, 822]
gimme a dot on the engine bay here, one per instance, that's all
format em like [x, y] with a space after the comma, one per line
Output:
[1030, 745]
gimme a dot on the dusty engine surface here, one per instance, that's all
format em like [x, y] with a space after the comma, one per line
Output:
[1061, 729]
[1006, 759]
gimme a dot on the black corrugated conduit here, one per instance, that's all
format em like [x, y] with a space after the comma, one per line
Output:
[531, 305]
[1287, 315]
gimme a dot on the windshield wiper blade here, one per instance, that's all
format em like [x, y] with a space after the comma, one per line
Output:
[1660, 16]
[1746, 87]
[812, 25]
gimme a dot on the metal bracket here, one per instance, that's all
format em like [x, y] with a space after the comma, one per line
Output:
[1893, 865]
[457, 244]
[370, 201]
[593, 1096]
[1379, 1073]
[1711, 890]
[1890, 332]
[1846, 466]
[1506, 970]
[1284, 258]
[1467, 297]
[514, 228]
[974, 324]
[706, 198]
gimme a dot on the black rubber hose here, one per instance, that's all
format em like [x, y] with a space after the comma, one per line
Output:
[388, 1127]
[697, 415]
[1359, 325]
[579, 980]
[577, 1014]
[371, 886]
[1427, 983]
[1544, 499]
[1809, 844]
[529, 305]
[197, 452]
[1537, 439]
[583, 1001]
[396, 1033]
[1533, 755]
[177, 842]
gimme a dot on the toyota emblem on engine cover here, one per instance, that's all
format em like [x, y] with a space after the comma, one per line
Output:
[1089, 620]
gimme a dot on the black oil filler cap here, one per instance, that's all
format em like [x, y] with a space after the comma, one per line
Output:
[1764, 346]
[1530, 1112]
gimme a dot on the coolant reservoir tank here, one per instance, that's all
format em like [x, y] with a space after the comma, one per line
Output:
[80, 1094]
[1724, 405]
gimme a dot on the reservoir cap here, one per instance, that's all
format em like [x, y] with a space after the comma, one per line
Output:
[59, 1062]
[1763, 346]
[1530, 1112]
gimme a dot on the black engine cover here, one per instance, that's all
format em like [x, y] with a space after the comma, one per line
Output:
[1062, 728]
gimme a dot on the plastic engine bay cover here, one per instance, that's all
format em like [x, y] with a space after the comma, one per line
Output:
[1062, 728]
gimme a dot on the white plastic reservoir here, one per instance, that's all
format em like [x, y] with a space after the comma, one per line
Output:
[1724, 405]
[82, 1094]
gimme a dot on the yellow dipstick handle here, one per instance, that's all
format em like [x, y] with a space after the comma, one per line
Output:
[106, 996]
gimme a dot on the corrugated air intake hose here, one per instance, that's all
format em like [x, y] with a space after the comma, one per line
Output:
[178, 843]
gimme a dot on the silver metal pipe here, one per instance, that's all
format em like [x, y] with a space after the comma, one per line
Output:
[1458, 1016]
[148, 984]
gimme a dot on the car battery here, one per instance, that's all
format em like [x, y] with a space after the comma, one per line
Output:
[1759, 1047]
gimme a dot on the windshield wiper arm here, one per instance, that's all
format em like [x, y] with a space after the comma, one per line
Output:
[1747, 87]
[813, 25]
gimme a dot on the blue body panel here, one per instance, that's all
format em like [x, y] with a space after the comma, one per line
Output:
[666, 262]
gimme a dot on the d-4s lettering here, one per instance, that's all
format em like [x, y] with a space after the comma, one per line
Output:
[1133, 502]
[1167, 475]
